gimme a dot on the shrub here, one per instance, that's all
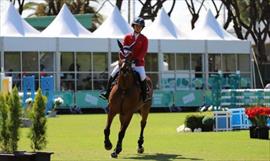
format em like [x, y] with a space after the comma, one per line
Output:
[4, 135]
[38, 129]
[14, 122]
[193, 121]
[208, 123]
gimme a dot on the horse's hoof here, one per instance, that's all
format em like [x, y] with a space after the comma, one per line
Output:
[114, 155]
[118, 150]
[140, 150]
[108, 145]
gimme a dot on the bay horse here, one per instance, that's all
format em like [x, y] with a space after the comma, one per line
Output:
[125, 99]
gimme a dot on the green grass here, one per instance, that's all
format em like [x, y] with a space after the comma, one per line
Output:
[80, 138]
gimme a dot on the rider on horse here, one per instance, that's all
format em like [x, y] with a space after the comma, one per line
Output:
[139, 51]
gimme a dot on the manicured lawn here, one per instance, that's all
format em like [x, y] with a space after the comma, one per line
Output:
[80, 138]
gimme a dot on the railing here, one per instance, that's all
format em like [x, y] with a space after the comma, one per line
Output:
[236, 98]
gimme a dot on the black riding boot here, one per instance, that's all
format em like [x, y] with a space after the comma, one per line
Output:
[144, 91]
[105, 94]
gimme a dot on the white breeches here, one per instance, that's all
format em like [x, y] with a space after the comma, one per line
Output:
[139, 69]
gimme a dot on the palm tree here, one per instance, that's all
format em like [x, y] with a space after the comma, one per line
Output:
[52, 7]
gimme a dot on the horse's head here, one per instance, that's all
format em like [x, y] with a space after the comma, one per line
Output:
[125, 64]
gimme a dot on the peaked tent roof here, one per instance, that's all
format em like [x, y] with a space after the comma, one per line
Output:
[209, 29]
[114, 26]
[13, 25]
[163, 28]
[65, 25]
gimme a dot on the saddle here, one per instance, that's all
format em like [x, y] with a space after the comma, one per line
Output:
[137, 82]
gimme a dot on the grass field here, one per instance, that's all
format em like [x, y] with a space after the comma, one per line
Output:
[80, 138]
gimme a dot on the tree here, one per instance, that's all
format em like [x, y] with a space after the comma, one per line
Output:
[20, 4]
[53, 7]
[195, 13]
[4, 134]
[252, 18]
[38, 129]
[149, 8]
[119, 4]
[14, 115]
[192, 10]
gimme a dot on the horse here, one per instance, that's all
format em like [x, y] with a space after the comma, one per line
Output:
[125, 99]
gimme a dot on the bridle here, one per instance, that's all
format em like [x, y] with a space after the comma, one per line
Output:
[126, 63]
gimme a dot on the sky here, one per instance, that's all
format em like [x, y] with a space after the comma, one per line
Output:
[180, 15]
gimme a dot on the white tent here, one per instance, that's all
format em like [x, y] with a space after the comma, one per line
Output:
[65, 25]
[65, 33]
[70, 34]
[113, 28]
[209, 29]
[164, 36]
[13, 25]
[162, 28]
[217, 40]
[17, 35]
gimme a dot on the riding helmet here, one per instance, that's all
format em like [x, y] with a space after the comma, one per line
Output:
[138, 21]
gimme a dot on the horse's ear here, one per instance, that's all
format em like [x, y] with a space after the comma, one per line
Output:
[120, 45]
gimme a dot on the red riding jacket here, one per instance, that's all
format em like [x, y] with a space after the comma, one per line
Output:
[139, 50]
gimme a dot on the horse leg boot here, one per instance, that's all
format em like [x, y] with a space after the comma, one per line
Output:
[125, 120]
[118, 148]
[144, 91]
[106, 94]
[141, 140]
[107, 142]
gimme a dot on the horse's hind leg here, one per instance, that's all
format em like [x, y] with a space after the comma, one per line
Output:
[144, 114]
[107, 142]
[125, 120]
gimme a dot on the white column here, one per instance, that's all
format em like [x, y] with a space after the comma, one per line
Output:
[76, 71]
[58, 66]
[160, 63]
[109, 56]
[2, 53]
[206, 67]
[252, 67]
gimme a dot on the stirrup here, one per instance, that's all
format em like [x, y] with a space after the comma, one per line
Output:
[104, 96]
[147, 99]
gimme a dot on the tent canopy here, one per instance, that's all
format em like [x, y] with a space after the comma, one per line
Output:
[65, 33]
[13, 25]
[114, 26]
[163, 28]
[209, 29]
[65, 25]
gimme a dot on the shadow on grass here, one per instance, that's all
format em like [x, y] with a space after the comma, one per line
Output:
[160, 157]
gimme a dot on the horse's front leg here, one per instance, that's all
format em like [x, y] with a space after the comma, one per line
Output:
[125, 120]
[107, 142]
[141, 139]
[144, 114]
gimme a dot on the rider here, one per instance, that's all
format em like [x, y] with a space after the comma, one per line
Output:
[139, 51]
